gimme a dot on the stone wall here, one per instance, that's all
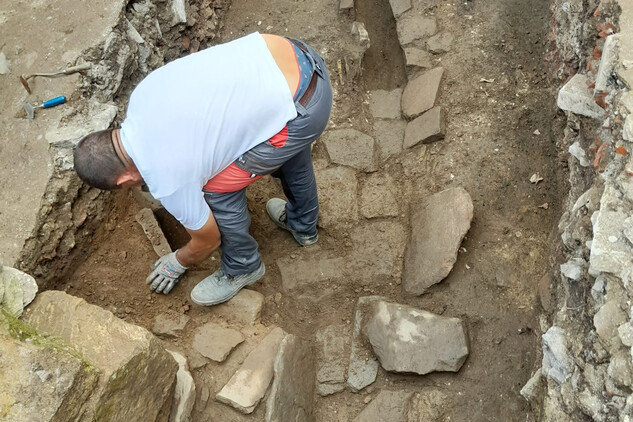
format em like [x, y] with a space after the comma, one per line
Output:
[586, 370]
[142, 36]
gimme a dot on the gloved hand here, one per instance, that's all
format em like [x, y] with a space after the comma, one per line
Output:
[166, 272]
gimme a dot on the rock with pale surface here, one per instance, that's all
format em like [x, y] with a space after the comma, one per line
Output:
[248, 385]
[244, 308]
[416, 57]
[292, 393]
[185, 394]
[17, 289]
[333, 344]
[389, 135]
[438, 226]
[385, 104]
[420, 93]
[154, 233]
[576, 96]
[440, 43]
[414, 27]
[428, 128]
[352, 148]
[407, 339]
[398, 7]
[363, 366]
[123, 353]
[168, 325]
[557, 361]
[216, 342]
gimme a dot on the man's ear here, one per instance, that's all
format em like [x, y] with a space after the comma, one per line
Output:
[130, 178]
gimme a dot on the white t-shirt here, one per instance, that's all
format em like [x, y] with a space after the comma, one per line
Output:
[190, 119]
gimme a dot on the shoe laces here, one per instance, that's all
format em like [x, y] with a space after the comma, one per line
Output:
[283, 218]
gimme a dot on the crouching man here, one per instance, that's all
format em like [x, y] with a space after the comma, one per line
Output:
[202, 128]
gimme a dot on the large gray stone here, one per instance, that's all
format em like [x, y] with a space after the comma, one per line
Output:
[154, 233]
[337, 188]
[349, 147]
[389, 135]
[576, 97]
[607, 320]
[428, 128]
[363, 366]
[416, 57]
[216, 342]
[43, 383]
[385, 104]
[244, 308]
[557, 362]
[420, 93]
[17, 289]
[185, 394]
[292, 393]
[377, 198]
[440, 43]
[391, 406]
[333, 343]
[168, 325]
[407, 339]
[438, 226]
[137, 375]
[414, 27]
[398, 7]
[611, 252]
[248, 385]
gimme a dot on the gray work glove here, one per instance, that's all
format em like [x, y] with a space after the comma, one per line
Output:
[166, 272]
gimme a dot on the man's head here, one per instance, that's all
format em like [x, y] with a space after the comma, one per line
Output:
[100, 165]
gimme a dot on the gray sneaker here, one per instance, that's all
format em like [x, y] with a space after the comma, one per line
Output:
[220, 287]
[276, 209]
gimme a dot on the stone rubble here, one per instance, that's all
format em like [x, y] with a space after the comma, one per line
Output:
[363, 366]
[248, 385]
[216, 342]
[411, 340]
[438, 226]
[419, 95]
[333, 344]
[576, 97]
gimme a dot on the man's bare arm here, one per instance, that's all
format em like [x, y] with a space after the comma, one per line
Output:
[202, 243]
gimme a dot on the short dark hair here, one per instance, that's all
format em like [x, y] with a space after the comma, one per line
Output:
[96, 161]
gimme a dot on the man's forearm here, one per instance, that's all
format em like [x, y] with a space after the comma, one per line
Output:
[194, 252]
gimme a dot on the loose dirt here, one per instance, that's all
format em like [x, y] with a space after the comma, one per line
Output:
[497, 95]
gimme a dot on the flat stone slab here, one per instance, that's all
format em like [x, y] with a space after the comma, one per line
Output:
[337, 188]
[333, 345]
[392, 406]
[248, 385]
[428, 128]
[363, 365]
[124, 354]
[216, 342]
[168, 325]
[385, 104]
[345, 5]
[154, 233]
[17, 289]
[420, 93]
[398, 7]
[440, 43]
[416, 57]
[292, 393]
[414, 27]
[389, 135]
[407, 339]
[377, 198]
[438, 227]
[350, 147]
[185, 394]
[576, 97]
[244, 308]
[611, 251]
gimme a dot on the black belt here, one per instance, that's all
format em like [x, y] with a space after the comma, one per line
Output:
[307, 96]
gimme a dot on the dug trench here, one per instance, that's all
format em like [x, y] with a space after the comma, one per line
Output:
[500, 130]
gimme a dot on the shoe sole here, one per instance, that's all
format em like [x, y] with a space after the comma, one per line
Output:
[289, 230]
[229, 297]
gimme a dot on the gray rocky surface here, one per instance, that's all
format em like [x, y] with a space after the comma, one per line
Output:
[333, 344]
[124, 355]
[398, 7]
[154, 233]
[248, 385]
[363, 366]
[185, 393]
[389, 135]
[573, 269]
[337, 188]
[428, 128]
[411, 340]
[385, 104]
[438, 226]
[611, 252]
[168, 325]
[420, 93]
[532, 389]
[607, 320]
[440, 43]
[377, 196]
[17, 290]
[557, 362]
[577, 97]
[346, 5]
[244, 308]
[579, 153]
[416, 57]
[414, 27]
[390, 406]
[350, 147]
[216, 342]
[292, 392]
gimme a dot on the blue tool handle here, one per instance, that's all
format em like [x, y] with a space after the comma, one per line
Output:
[54, 102]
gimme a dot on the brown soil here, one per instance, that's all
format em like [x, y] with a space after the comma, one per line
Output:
[490, 149]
